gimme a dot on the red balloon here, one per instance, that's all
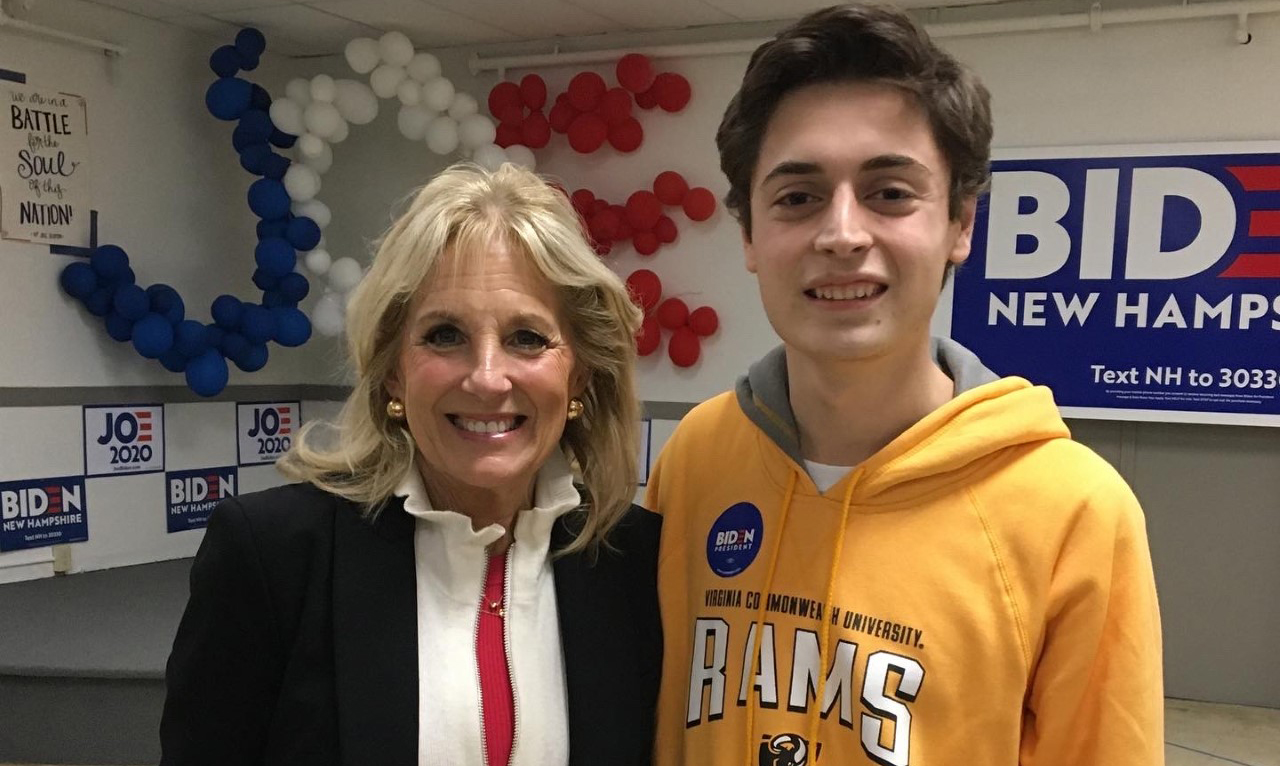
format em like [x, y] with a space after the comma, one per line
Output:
[603, 248]
[684, 348]
[508, 135]
[585, 91]
[645, 242]
[645, 288]
[510, 114]
[673, 314]
[533, 92]
[503, 94]
[627, 135]
[582, 200]
[699, 204]
[604, 225]
[561, 116]
[624, 228]
[648, 99]
[649, 337]
[599, 205]
[635, 72]
[587, 133]
[704, 321]
[672, 91]
[670, 187]
[665, 230]
[643, 210]
[535, 133]
[615, 106]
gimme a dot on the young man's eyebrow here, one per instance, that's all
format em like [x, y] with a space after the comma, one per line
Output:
[804, 168]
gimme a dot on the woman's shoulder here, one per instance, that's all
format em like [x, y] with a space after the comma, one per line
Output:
[284, 511]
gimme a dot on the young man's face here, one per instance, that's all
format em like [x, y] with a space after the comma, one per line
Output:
[850, 232]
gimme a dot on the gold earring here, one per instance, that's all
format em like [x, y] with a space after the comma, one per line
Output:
[395, 409]
[575, 409]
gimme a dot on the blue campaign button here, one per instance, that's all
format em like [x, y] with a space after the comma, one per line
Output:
[735, 539]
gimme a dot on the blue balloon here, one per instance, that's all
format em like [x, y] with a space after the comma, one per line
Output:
[292, 327]
[258, 324]
[265, 281]
[118, 327]
[152, 336]
[275, 256]
[79, 280]
[303, 233]
[268, 199]
[249, 63]
[275, 166]
[259, 98]
[125, 277]
[189, 339]
[274, 299]
[99, 301]
[213, 335]
[254, 358]
[225, 61]
[250, 42]
[228, 97]
[283, 140]
[207, 374]
[253, 158]
[109, 261]
[166, 302]
[241, 138]
[274, 228]
[227, 310]
[294, 286]
[233, 345]
[131, 302]
[173, 360]
[256, 123]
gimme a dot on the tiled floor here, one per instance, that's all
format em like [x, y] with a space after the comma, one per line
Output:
[1203, 734]
[1200, 734]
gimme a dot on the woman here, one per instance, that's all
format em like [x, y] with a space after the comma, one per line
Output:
[438, 589]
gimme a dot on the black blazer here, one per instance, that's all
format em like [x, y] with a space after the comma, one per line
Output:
[299, 642]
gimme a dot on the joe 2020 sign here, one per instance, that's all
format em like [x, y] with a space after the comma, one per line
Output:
[1137, 282]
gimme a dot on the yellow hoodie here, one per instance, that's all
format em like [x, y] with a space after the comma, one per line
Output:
[977, 593]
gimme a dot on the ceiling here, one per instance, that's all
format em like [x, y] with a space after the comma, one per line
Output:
[320, 27]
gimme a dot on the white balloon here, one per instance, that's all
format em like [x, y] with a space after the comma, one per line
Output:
[464, 105]
[310, 146]
[318, 261]
[322, 88]
[490, 157]
[423, 67]
[315, 210]
[301, 182]
[341, 133]
[322, 161]
[326, 316]
[299, 91]
[344, 274]
[386, 79]
[437, 94]
[442, 135]
[521, 155]
[396, 49]
[322, 119]
[413, 121]
[356, 102]
[363, 54]
[476, 131]
[409, 93]
[286, 115]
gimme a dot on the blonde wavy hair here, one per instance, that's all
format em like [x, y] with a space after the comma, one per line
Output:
[466, 208]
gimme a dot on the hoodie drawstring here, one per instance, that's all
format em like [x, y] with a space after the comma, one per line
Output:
[759, 621]
[824, 631]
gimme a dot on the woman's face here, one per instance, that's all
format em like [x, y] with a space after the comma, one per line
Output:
[486, 371]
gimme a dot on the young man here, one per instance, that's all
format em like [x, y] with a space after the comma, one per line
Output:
[875, 551]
